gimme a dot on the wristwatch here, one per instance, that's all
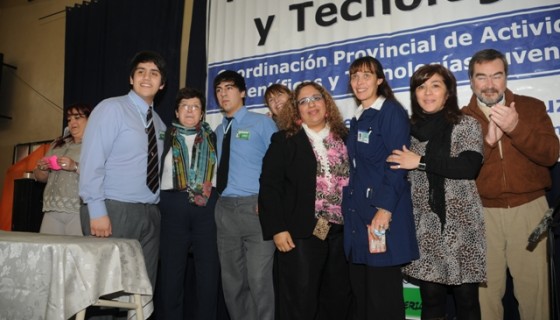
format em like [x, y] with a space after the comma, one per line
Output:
[421, 165]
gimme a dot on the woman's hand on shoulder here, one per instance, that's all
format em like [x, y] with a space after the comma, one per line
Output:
[403, 159]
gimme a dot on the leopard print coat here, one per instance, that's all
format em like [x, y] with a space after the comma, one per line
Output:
[457, 254]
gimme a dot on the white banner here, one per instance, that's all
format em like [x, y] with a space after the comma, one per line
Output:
[278, 41]
[281, 41]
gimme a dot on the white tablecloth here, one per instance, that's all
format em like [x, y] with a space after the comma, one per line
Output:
[54, 277]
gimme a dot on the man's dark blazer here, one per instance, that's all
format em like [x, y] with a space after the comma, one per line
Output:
[288, 186]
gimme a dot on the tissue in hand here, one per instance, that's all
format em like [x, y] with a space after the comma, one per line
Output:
[52, 163]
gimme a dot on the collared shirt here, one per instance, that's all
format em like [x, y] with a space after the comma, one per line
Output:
[377, 104]
[113, 162]
[250, 137]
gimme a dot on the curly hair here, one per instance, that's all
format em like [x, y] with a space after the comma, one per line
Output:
[290, 119]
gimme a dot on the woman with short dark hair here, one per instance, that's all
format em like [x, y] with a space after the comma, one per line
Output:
[444, 159]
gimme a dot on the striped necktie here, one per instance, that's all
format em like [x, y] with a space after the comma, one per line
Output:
[152, 177]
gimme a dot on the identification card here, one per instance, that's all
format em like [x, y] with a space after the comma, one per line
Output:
[242, 134]
[363, 136]
[321, 228]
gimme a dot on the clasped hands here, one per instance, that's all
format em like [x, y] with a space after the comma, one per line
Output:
[56, 163]
[503, 119]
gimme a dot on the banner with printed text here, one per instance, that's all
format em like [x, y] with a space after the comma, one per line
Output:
[290, 41]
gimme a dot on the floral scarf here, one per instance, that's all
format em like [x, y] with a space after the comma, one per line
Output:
[194, 174]
[332, 173]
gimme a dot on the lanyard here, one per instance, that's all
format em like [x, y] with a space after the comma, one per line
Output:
[226, 129]
[142, 117]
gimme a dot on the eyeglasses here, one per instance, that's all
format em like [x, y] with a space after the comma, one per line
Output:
[192, 107]
[305, 101]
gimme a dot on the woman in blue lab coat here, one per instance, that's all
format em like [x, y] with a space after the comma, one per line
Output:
[377, 202]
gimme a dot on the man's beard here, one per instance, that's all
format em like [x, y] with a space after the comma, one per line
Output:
[483, 98]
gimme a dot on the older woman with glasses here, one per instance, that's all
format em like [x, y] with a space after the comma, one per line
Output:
[300, 195]
[187, 205]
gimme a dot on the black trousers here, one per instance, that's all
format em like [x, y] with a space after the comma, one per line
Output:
[378, 292]
[434, 300]
[184, 228]
[313, 279]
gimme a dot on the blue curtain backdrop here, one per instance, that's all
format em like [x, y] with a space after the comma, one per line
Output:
[196, 61]
[103, 35]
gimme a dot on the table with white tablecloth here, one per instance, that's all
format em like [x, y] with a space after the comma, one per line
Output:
[55, 277]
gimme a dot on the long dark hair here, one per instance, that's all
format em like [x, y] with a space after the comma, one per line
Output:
[370, 64]
[451, 105]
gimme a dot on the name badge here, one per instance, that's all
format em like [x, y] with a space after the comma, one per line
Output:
[363, 136]
[242, 134]
[161, 135]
